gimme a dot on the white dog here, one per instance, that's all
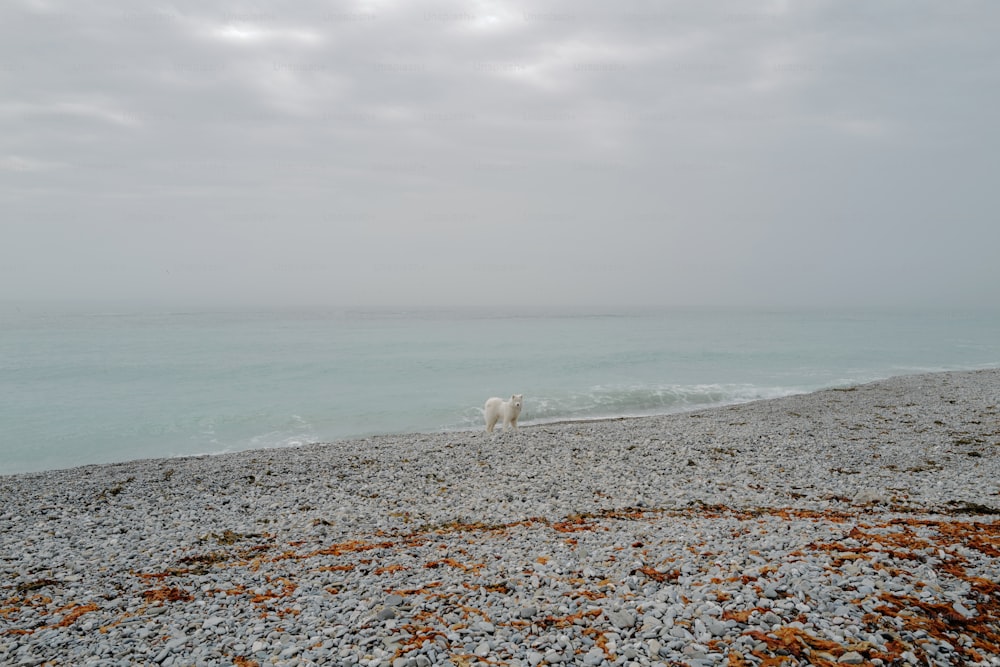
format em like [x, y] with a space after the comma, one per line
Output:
[508, 410]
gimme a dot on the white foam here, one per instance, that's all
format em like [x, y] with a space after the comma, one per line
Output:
[613, 401]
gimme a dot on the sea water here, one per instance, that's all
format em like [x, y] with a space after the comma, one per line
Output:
[81, 386]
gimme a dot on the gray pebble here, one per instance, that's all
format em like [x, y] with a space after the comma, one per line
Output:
[621, 619]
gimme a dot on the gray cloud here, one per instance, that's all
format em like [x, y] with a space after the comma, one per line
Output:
[446, 153]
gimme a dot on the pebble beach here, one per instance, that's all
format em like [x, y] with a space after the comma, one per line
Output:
[857, 525]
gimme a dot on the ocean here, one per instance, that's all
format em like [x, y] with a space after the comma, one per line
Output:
[81, 386]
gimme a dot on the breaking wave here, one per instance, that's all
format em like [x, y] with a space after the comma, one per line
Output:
[603, 402]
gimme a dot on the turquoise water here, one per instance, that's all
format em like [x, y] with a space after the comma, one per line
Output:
[83, 387]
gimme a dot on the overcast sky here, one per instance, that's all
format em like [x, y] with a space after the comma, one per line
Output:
[438, 153]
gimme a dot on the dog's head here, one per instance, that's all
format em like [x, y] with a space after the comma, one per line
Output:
[515, 401]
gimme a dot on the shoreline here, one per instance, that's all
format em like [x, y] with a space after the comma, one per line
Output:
[526, 425]
[814, 525]
[441, 432]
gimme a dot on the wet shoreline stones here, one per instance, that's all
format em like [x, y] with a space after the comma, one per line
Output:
[831, 528]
